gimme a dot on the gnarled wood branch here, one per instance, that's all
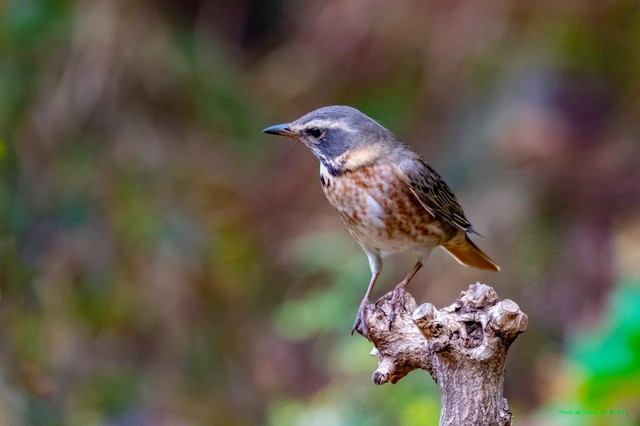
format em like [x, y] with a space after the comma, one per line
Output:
[462, 346]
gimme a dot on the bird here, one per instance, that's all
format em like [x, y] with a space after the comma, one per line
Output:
[390, 198]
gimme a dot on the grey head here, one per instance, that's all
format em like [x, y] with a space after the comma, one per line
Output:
[333, 133]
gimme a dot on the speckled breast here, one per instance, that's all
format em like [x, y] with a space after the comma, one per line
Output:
[380, 210]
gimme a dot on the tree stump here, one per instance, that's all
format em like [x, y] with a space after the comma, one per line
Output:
[463, 347]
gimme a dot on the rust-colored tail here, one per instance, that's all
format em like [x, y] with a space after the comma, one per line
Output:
[467, 253]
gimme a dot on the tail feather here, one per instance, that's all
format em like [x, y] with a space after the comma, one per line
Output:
[468, 254]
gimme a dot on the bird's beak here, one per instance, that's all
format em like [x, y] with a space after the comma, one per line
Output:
[281, 130]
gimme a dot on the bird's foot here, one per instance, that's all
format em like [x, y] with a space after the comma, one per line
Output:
[397, 300]
[360, 324]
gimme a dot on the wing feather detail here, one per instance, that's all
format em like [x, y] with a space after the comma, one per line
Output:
[434, 194]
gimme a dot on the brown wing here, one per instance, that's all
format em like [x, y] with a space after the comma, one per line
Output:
[434, 195]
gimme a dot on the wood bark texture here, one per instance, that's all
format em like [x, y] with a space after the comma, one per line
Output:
[463, 347]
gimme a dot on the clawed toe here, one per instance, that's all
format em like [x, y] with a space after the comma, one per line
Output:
[397, 300]
[360, 324]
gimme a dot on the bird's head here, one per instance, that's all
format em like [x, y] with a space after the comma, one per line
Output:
[341, 137]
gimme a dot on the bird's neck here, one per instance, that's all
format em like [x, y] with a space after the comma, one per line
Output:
[330, 168]
[352, 159]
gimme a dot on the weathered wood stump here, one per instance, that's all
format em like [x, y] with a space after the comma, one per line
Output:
[462, 346]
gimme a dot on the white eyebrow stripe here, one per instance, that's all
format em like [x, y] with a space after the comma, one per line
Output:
[325, 124]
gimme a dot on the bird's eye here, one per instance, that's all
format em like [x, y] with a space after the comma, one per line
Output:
[314, 132]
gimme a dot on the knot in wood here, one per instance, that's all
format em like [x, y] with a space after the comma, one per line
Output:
[435, 328]
[507, 319]
[474, 333]
[379, 378]
[478, 296]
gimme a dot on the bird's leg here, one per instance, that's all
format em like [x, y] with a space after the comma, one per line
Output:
[360, 323]
[397, 295]
[375, 263]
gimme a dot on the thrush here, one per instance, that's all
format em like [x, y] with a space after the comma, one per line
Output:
[391, 200]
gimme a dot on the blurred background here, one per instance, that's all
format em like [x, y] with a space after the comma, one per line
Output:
[162, 262]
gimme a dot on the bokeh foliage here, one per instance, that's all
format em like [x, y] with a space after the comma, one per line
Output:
[162, 262]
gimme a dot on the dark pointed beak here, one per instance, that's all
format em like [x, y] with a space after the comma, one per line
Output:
[281, 130]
